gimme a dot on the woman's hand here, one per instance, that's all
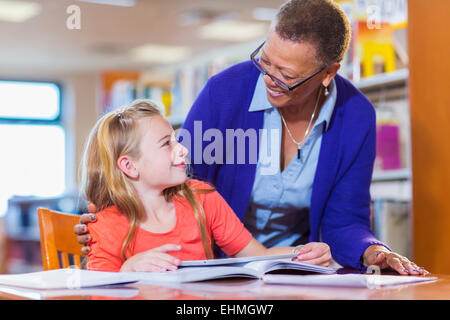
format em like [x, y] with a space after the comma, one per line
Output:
[153, 260]
[380, 256]
[317, 253]
[81, 229]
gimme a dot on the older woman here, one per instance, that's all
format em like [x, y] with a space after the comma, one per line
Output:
[314, 185]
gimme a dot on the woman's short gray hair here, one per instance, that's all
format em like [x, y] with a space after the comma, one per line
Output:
[320, 22]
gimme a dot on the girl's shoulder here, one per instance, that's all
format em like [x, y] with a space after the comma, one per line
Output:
[195, 184]
[109, 221]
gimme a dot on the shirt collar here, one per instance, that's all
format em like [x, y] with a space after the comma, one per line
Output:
[260, 102]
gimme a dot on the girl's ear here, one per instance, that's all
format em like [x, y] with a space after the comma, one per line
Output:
[126, 165]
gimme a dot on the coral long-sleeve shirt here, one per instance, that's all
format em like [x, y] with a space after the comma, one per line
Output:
[111, 227]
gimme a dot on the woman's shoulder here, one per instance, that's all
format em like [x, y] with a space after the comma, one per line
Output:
[353, 104]
[352, 95]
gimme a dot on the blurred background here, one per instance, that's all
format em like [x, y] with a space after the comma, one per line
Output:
[65, 62]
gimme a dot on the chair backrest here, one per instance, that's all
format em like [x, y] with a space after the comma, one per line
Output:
[58, 240]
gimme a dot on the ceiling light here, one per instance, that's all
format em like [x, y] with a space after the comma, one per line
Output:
[152, 53]
[230, 30]
[18, 11]
[121, 3]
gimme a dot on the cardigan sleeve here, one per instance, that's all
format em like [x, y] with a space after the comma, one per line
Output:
[346, 221]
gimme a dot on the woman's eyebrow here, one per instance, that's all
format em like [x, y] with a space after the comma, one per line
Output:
[281, 67]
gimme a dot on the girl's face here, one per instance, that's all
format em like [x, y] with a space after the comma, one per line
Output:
[161, 163]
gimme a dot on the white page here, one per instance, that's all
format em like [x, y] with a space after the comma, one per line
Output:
[40, 294]
[267, 266]
[240, 261]
[345, 280]
[195, 274]
[66, 279]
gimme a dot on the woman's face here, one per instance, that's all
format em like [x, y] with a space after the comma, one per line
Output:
[162, 160]
[290, 62]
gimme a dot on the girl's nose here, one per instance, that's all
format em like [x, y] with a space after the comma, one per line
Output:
[182, 150]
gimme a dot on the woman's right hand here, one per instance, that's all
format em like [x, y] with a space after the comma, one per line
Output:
[81, 229]
[153, 260]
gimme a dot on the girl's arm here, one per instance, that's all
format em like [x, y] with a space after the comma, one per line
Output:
[317, 253]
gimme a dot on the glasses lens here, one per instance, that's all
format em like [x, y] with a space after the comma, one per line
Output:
[257, 62]
[279, 83]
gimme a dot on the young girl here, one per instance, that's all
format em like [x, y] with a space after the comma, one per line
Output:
[151, 216]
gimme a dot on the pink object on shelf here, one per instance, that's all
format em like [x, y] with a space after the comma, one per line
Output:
[388, 146]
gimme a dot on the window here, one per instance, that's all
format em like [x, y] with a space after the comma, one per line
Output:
[32, 141]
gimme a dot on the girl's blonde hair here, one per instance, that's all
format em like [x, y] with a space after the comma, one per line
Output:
[102, 183]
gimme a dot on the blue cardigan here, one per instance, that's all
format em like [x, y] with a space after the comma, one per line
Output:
[340, 200]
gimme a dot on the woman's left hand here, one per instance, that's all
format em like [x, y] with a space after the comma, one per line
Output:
[376, 255]
[317, 253]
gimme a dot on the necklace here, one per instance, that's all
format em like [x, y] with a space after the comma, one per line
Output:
[300, 144]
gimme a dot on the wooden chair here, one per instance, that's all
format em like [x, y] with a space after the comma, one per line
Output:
[58, 240]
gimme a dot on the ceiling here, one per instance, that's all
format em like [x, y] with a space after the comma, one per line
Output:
[108, 33]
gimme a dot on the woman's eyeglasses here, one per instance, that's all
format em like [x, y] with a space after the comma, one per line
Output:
[275, 80]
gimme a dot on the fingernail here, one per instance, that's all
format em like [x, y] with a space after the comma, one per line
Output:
[92, 218]
[87, 237]
[405, 270]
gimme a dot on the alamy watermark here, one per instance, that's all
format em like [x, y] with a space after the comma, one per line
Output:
[73, 21]
[234, 146]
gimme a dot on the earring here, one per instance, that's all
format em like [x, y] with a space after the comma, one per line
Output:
[326, 93]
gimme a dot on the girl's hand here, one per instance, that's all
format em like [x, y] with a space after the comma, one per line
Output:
[153, 260]
[317, 253]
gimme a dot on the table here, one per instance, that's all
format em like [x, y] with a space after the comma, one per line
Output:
[240, 289]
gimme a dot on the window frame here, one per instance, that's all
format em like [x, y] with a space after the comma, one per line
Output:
[58, 120]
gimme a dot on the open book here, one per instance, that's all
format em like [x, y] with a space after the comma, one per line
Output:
[256, 268]
[346, 280]
[66, 279]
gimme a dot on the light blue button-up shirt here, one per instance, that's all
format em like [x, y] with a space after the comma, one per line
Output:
[278, 212]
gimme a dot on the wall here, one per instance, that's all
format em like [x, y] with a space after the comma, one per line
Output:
[430, 131]
[79, 111]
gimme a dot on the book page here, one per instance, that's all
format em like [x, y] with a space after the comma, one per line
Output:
[191, 274]
[345, 280]
[263, 267]
[66, 279]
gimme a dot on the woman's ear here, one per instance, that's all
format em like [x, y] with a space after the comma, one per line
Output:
[331, 73]
[126, 165]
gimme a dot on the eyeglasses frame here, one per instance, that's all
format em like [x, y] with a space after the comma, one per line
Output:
[275, 80]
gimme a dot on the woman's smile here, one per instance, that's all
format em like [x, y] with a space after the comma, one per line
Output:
[274, 94]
